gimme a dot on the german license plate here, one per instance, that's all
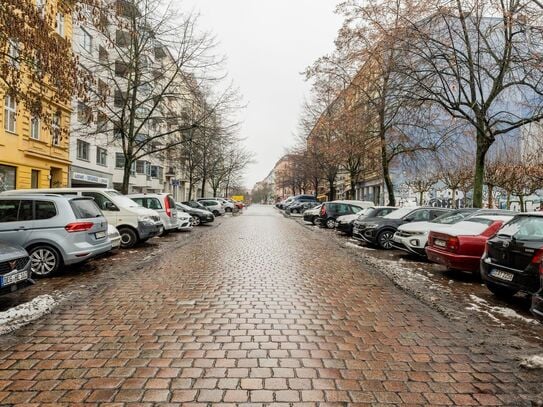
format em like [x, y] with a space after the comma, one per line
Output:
[100, 235]
[14, 278]
[440, 243]
[502, 275]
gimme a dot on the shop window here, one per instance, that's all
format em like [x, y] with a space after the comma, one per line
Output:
[35, 179]
[7, 177]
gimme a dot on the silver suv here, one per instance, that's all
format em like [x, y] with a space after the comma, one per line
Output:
[55, 230]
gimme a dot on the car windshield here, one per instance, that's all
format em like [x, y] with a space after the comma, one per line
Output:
[85, 208]
[365, 212]
[183, 207]
[483, 221]
[524, 228]
[399, 213]
[451, 218]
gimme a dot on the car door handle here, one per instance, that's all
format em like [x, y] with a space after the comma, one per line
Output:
[21, 228]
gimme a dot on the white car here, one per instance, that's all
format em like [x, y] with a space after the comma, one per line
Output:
[311, 215]
[227, 205]
[184, 221]
[114, 236]
[213, 206]
[163, 204]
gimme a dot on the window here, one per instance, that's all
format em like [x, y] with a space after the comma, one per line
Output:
[154, 171]
[101, 122]
[60, 24]
[420, 216]
[103, 55]
[103, 203]
[101, 156]
[40, 4]
[139, 201]
[141, 166]
[25, 210]
[55, 130]
[7, 178]
[85, 208]
[84, 113]
[119, 160]
[10, 114]
[35, 179]
[83, 150]
[87, 41]
[13, 53]
[153, 203]
[8, 210]
[45, 210]
[35, 127]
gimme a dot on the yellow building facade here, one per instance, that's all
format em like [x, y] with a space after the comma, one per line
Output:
[34, 152]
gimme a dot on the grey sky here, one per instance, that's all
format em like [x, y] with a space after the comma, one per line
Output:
[268, 43]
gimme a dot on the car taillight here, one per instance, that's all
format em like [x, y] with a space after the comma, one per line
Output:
[167, 206]
[78, 227]
[453, 243]
[323, 211]
[538, 260]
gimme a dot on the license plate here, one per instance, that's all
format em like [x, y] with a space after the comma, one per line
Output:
[14, 278]
[502, 275]
[100, 235]
[440, 243]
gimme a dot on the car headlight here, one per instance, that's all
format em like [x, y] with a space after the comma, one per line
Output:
[371, 226]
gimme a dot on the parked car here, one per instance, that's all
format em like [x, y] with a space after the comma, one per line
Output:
[380, 232]
[346, 224]
[14, 267]
[513, 260]
[196, 205]
[55, 230]
[213, 206]
[330, 211]
[199, 216]
[163, 204]
[281, 205]
[301, 207]
[300, 199]
[461, 246]
[134, 223]
[228, 206]
[312, 215]
[184, 222]
[114, 236]
[413, 237]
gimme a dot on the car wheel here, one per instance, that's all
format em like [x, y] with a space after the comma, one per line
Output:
[44, 260]
[314, 220]
[295, 211]
[196, 221]
[228, 209]
[330, 223]
[500, 291]
[384, 240]
[128, 238]
[216, 213]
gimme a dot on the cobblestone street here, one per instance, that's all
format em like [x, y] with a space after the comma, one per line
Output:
[258, 310]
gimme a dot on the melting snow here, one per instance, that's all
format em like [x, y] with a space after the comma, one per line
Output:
[532, 362]
[483, 306]
[23, 314]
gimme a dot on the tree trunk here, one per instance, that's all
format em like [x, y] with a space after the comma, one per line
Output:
[126, 176]
[332, 186]
[204, 182]
[483, 144]
[389, 185]
[453, 202]
[490, 196]
[421, 197]
[521, 202]
[508, 201]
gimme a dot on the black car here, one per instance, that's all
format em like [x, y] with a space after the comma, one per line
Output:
[513, 260]
[301, 207]
[297, 200]
[199, 216]
[351, 228]
[379, 232]
[330, 211]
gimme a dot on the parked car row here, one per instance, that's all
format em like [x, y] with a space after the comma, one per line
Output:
[502, 247]
[42, 231]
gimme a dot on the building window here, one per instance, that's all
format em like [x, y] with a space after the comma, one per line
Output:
[60, 24]
[35, 179]
[83, 150]
[101, 156]
[7, 178]
[87, 41]
[154, 171]
[55, 130]
[10, 114]
[13, 53]
[35, 127]
[40, 4]
[119, 160]
[84, 113]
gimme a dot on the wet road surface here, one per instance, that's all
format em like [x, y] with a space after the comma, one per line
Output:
[257, 310]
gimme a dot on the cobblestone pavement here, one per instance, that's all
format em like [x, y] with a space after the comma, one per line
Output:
[261, 311]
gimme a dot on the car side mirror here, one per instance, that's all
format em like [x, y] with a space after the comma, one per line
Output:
[110, 206]
[408, 219]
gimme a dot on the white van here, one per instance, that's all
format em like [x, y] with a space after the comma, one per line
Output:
[134, 223]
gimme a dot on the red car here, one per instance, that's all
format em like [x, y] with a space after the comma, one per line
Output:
[461, 247]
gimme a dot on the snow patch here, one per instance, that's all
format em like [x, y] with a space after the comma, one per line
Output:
[532, 362]
[479, 304]
[23, 314]
[357, 246]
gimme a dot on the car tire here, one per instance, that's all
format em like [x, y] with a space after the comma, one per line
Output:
[216, 213]
[228, 210]
[500, 291]
[330, 223]
[295, 211]
[384, 239]
[129, 238]
[314, 220]
[196, 221]
[45, 260]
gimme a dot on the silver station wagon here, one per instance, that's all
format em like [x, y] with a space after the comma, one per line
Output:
[55, 230]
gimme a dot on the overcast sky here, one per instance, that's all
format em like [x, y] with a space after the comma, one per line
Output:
[268, 44]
